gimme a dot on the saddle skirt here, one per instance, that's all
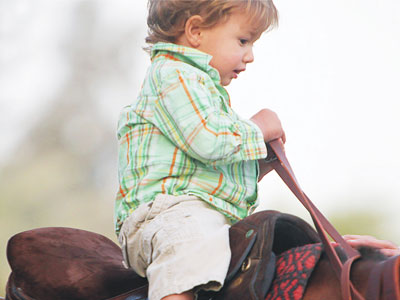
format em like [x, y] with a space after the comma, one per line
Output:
[66, 263]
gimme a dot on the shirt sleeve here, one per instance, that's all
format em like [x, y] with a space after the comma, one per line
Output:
[190, 115]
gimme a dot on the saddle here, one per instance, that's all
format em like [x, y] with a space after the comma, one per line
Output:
[65, 263]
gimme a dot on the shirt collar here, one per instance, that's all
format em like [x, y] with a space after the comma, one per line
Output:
[189, 55]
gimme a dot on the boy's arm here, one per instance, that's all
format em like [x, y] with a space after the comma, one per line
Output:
[191, 117]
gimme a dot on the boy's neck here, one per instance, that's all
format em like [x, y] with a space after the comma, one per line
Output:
[183, 41]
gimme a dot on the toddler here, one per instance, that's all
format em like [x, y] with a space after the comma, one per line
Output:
[188, 164]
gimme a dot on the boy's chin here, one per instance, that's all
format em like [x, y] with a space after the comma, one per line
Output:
[225, 82]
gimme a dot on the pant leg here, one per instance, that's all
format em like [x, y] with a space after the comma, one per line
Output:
[180, 245]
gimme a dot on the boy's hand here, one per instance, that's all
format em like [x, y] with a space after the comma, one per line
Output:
[270, 125]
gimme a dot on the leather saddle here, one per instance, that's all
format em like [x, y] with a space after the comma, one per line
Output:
[65, 263]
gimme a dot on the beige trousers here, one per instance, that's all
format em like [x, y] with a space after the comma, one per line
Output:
[179, 243]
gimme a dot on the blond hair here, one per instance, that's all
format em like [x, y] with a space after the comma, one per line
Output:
[167, 18]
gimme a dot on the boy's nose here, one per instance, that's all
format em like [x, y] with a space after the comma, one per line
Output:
[248, 57]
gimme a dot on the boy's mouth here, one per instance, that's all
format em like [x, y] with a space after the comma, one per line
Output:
[237, 72]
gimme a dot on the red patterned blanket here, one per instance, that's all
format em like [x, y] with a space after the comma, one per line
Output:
[293, 269]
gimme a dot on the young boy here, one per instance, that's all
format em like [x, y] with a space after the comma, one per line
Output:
[188, 164]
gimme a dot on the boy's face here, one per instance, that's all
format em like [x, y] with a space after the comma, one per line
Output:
[231, 46]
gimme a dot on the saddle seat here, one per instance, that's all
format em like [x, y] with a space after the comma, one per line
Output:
[66, 263]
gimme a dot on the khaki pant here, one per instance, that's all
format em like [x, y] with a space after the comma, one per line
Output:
[179, 243]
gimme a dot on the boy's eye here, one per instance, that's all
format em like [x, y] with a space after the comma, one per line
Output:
[243, 41]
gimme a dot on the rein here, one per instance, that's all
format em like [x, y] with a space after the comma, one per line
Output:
[387, 274]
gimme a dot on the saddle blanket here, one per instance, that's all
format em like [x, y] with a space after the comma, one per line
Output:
[293, 269]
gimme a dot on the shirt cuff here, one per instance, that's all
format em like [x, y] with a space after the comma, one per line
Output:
[253, 145]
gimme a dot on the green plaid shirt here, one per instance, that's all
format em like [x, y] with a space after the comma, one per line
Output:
[181, 137]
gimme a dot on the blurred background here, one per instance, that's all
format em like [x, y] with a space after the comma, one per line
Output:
[331, 71]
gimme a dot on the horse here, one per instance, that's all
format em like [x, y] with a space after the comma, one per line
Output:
[66, 263]
[268, 249]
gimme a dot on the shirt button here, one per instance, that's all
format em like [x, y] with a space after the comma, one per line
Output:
[213, 74]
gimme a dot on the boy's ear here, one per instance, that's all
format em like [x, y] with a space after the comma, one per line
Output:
[193, 30]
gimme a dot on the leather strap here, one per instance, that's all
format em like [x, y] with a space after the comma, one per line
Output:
[375, 283]
[391, 280]
[323, 226]
[384, 280]
[345, 282]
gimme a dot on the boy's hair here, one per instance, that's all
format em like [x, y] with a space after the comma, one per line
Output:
[167, 18]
